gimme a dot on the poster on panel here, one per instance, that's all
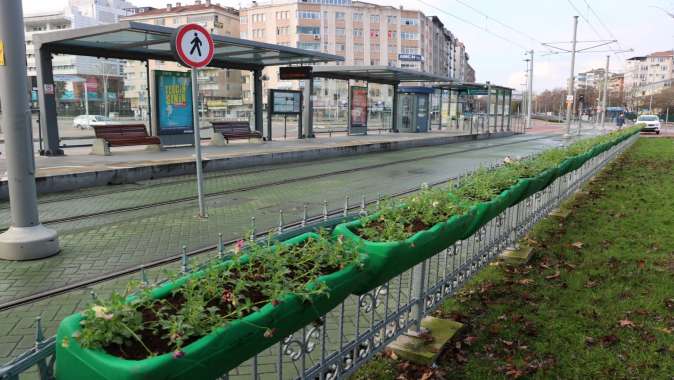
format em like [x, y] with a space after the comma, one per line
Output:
[173, 102]
[358, 110]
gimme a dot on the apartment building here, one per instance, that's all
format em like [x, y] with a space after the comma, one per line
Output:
[647, 75]
[220, 89]
[591, 78]
[71, 72]
[362, 33]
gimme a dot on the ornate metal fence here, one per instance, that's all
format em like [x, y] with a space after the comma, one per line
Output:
[344, 339]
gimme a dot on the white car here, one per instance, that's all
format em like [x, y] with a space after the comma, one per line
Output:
[87, 121]
[652, 123]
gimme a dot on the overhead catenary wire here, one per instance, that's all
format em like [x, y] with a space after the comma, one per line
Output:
[498, 21]
[473, 24]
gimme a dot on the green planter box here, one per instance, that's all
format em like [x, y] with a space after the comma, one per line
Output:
[385, 260]
[216, 353]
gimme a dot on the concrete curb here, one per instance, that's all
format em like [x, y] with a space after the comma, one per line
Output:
[132, 174]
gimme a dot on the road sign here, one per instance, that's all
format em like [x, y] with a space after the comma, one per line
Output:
[569, 98]
[193, 45]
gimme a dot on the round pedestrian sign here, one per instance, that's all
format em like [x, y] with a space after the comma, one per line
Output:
[193, 45]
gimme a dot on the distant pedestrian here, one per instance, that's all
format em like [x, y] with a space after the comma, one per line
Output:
[620, 120]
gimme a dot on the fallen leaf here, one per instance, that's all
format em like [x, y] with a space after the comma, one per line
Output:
[608, 340]
[591, 284]
[469, 340]
[553, 276]
[427, 375]
[525, 281]
[626, 323]
[641, 264]
[664, 330]
[577, 245]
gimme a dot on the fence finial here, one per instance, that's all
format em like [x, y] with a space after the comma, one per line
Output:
[280, 222]
[93, 295]
[39, 332]
[143, 275]
[346, 205]
[362, 211]
[325, 210]
[252, 228]
[183, 261]
[304, 215]
[221, 246]
[378, 201]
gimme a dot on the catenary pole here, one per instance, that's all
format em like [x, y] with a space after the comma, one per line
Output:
[26, 238]
[569, 104]
[530, 89]
[604, 95]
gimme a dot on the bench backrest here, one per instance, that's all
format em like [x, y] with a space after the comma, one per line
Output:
[230, 126]
[123, 131]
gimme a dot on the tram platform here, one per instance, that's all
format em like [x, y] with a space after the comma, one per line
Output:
[79, 169]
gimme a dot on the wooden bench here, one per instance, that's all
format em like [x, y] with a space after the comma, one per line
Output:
[122, 135]
[223, 131]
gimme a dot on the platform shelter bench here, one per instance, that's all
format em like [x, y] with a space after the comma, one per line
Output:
[122, 135]
[223, 131]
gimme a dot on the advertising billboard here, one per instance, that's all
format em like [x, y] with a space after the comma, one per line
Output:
[358, 110]
[173, 102]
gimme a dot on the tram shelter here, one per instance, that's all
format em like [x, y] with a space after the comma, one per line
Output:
[144, 42]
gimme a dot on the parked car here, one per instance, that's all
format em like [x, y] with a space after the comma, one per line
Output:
[652, 123]
[87, 121]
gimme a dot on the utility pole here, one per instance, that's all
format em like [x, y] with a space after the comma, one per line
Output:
[530, 86]
[569, 96]
[604, 95]
[26, 238]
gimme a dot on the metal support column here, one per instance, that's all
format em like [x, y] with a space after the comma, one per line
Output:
[149, 100]
[530, 88]
[49, 123]
[26, 238]
[488, 107]
[569, 93]
[308, 111]
[394, 109]
[197, 143]
[605, 92]
[257, 102]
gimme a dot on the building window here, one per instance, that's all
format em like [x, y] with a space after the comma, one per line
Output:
[243, 35]
[339, 16]
[339, 32]
[358, 32]
[409, 21]
[374, 33]
[282, 31]
[315, 30]
[358, 17]
[392, 19]
[258, 17]
[258, 33]
[409, 50]
[392, 35]
[409, 36]
[340, 47]
[309, 45]
[282, 15]
[309, 15]
[374, 18]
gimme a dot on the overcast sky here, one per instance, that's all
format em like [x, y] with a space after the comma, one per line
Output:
[636, 24]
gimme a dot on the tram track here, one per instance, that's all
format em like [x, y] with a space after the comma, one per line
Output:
[179, 200]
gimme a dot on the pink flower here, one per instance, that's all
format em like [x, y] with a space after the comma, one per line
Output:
[238, 246]
[178, 354]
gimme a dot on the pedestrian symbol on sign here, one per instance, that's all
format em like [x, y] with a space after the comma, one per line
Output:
[196, 44]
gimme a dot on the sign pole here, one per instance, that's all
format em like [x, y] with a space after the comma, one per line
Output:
[194, 47]
[197, 144]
